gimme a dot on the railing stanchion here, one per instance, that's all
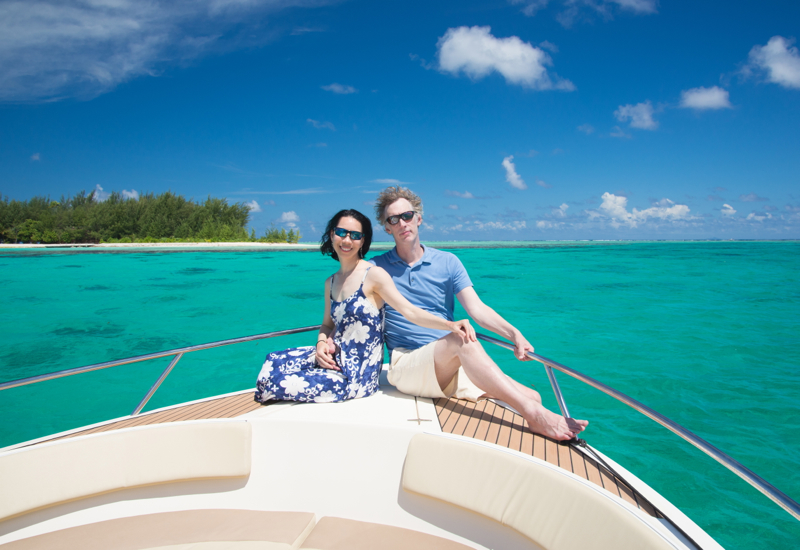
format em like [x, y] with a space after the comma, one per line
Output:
[557, 390]
[155, 386]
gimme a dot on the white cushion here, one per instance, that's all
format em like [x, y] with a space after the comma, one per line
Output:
[551, 507]
[43, 475]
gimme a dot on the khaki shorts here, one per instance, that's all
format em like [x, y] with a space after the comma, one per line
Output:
[413, 372]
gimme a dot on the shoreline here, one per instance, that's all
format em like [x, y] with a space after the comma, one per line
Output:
[376, 245]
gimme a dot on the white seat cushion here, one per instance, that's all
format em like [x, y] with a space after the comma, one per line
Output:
[47, 474]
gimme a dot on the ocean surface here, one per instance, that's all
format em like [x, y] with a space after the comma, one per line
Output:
[706, 333]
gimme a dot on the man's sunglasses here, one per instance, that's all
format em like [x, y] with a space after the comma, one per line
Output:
[354, 235]
[405, 216]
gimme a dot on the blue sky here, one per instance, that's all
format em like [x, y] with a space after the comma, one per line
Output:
[513, 119]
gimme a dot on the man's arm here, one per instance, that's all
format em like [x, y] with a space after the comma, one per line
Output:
[489, 319]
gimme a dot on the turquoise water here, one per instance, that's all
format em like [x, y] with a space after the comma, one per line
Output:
[707, 333]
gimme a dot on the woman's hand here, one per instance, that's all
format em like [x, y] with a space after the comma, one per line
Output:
[326, 352]
[463, 329]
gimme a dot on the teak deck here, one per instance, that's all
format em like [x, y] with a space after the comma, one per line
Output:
[486, 421]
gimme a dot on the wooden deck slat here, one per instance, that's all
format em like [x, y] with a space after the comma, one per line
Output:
[538, 446]
[565, 458]
[551, 451]
[645, 506]
[447, 409]
[241, 408]
[527, 440]
[609, 483]
[626, 493]
[578, 463]
[490, 422]
[484, 421]
[455, 416]
[493, 425]
[223, 407]
[474, 419]
[516, 433]
[593, 472]
[504, 435]
[464, 418]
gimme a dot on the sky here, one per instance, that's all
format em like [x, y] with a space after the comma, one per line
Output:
[512, 119]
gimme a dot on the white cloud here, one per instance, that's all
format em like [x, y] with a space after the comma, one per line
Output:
[586, 128]
[99, 194]
[759, 217]
[778, 59]
[531, 7]
[452, 207]
[544, 224]
[53, 49]
[640, 115]
[705, 98]
[615, 207]
[339, 89]
[36, 156]
[321, 125]
[289, 219]
[132, 194]
[638, 6]
[464, 195]
[511, 173]
[389, 181]
[269, 203]
[476, 53]
[542, 183]
[512, 226]
[618, 132]
[310, 191]
[752, 197]
[561, 211]
[253, 206]
[727, 210]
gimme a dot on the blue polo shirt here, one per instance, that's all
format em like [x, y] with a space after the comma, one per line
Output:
[430, 284]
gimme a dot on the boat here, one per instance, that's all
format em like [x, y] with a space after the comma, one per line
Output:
[389, 471]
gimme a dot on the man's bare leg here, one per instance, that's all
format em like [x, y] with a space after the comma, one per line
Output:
[451, 352]
[529, 393]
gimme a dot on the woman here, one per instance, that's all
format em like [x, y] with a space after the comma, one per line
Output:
[346, 362]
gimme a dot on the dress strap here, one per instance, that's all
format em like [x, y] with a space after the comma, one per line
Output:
[331, 289]
[364, 278]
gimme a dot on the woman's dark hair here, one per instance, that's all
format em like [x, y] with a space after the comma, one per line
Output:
[326, 246]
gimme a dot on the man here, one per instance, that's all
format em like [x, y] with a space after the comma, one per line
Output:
[431, 363]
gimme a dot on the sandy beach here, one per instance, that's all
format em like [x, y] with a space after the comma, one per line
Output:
[252, 245]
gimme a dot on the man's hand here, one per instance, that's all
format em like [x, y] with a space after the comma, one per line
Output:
[522, 347]
[326, 351]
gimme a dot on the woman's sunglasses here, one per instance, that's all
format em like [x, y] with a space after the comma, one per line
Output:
[405, 216]
[354, 235]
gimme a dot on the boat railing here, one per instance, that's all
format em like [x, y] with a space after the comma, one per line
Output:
[769, 490]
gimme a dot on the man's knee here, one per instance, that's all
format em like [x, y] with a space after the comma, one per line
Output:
[456, 346]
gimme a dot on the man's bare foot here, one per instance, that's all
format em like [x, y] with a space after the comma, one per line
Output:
[552, 425]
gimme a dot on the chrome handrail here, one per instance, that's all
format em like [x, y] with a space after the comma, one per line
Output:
[178, 352]
[770, 491]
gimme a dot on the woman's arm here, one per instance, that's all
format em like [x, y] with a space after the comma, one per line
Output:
[325, 347]
[383, 285]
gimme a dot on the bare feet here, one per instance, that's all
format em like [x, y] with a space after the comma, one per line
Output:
[552, 425]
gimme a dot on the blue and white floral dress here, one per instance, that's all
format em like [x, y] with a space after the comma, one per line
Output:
[294, 375]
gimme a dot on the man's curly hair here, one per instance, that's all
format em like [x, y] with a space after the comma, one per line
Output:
[391, 194]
